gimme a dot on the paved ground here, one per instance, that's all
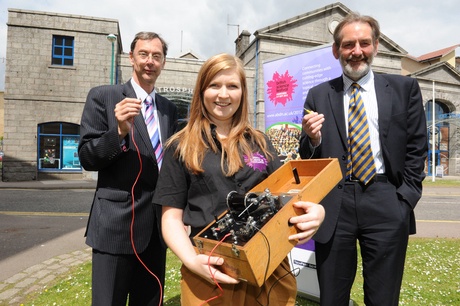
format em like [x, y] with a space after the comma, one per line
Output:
[35, 268]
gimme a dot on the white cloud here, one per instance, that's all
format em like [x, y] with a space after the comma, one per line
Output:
[418, 26]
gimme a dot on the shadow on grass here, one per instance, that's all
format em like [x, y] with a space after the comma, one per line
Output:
[174, 301]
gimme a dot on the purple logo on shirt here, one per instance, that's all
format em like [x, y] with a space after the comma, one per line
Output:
[257, 161]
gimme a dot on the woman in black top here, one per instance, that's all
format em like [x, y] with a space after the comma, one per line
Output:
[218, 152]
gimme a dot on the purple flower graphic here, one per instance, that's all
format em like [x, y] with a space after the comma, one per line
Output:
[257, 161]
[281, 88]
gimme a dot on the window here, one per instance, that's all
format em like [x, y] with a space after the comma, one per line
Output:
[62, 50]
[58, 146]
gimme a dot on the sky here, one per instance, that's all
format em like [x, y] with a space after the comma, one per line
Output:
[208, 27]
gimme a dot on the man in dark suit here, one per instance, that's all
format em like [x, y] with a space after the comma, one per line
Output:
[123, 228]
[377, 213]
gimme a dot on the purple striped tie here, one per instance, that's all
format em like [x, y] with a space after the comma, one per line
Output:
[152, 127]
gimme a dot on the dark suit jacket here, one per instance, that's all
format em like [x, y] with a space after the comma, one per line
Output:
[99, 150]
[402, 133]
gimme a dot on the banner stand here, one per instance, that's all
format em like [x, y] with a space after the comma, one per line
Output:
[303, 264]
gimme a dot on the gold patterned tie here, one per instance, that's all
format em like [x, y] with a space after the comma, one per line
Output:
[360, 159]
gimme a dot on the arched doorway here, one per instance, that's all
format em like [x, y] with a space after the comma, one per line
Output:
[438, 136]
[182, 101]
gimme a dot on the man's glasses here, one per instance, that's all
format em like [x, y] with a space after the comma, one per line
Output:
[154, 56]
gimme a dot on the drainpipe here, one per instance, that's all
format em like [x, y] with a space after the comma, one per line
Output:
[256, 83]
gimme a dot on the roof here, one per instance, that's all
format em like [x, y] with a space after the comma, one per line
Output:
[436, 54]
[441, 65]
[189, 55]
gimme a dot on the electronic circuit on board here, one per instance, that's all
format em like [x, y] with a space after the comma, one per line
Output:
[246, 215]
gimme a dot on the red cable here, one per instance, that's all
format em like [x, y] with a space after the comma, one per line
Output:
[132, 220]
[213, 274]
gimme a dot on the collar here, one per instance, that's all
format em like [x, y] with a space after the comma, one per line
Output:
[141, 93]
[366, 82]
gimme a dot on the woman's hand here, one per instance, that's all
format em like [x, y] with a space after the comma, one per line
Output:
[307, 223]
[206, 267]
[179, 242]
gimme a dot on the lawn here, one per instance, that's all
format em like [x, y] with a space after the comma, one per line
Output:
[441, 182]
[432, 277]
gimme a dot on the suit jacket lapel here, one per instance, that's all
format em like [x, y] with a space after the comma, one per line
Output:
[162, 115]
[336, 102]
[140, 129]
[384, 103]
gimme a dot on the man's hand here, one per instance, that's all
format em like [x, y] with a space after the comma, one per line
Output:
[125, 111]
[312, 123]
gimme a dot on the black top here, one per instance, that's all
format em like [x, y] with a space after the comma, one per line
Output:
[203, 197]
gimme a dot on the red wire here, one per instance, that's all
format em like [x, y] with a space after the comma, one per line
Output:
[213, 274]
[132, 220]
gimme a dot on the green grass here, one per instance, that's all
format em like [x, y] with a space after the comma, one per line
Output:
[432, 277]
[441, 182]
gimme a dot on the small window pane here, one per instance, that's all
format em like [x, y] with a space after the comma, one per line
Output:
[50, 128]
[70, 129]
[50, 152]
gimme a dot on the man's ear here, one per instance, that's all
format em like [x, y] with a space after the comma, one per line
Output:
[335, 51]
[376, 47]
[131, 59]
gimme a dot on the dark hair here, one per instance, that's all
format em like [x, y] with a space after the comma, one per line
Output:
[356, 17]
[149, 36]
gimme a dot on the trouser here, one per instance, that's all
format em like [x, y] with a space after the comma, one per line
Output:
[115, 277]
[379, 221]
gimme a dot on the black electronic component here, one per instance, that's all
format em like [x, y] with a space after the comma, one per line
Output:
[246, 215]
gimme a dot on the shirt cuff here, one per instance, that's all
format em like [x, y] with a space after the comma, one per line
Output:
[123, 146]
[312, 147]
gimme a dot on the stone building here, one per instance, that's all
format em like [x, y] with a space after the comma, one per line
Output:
[315, 28]
[439, 81]
[54, 59]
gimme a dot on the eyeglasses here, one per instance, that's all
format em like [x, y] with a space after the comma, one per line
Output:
[154, 56]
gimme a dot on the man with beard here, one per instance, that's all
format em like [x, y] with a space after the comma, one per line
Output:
[375, 125]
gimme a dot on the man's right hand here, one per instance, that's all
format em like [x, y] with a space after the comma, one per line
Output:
[125, 111]
[312, 124]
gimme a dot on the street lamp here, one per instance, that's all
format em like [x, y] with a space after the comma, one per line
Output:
[112, 38]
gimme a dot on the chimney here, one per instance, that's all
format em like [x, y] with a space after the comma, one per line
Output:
[242, 42]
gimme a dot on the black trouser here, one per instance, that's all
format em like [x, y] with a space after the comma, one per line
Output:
[115, 277]
[375, 217]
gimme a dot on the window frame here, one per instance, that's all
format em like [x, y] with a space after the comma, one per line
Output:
[62, 149]
[62, 58]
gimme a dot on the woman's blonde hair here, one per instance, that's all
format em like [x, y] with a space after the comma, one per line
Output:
[195, 138]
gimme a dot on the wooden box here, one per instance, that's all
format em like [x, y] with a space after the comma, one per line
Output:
[256, 260]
